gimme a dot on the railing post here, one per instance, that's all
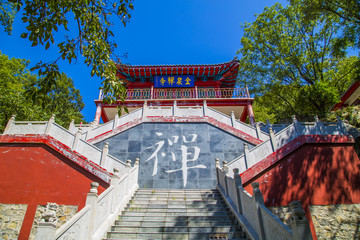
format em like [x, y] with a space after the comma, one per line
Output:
[136, 165]
[9, 124]
[128, 168]
[295, 122]
[257, 193]
[217, 163]
[205, 108]
[174, 108]
[152, 92]
[144, 109]
[268, 123]
[49, 124]
[47, 227]
[272, 139]
[226, 171]
[250, 113]
[217, 167]
[137, 162]
[104, 154]
[299, 224]
[71, 125]
[91, 200]
[258, 131]
[246, 155]
[76, 139]
[232, 118]
[341, 126]
[318, 125]
[116, 120]
[196, 92]
[115, 183]
[258, 200]
[238, 183]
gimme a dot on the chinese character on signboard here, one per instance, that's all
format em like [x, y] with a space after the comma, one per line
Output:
[174, 81]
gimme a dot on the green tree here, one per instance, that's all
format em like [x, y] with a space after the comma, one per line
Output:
[7, 15]
[347, 10]
[92, 38]
[287, 63]
[21, 95]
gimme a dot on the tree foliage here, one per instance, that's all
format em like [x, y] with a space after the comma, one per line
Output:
[7, 15]
[347, 10]
[350, 115]
[92, 38]
[287, 63]
[22, 96]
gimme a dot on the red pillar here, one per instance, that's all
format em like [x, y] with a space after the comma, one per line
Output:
[251, 113]
[98, 113]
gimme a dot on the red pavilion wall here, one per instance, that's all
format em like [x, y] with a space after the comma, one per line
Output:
[35, 174]
[315, 174]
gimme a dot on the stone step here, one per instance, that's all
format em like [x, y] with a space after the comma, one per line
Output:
[165, 205]
[176, 190]
[139, 208]
[150, 223]
[159, 214]
[204, 193]
[174, 218]
[183, 202]
[175, 235]
[176, 198]
[165, 229]
[208, 193]
[176, 214]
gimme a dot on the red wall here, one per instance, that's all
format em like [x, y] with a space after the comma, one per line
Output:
[316, 174]
[35, 174]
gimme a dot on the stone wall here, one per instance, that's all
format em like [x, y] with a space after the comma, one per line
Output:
[11, 218]
[175, 155]
[63, 213]
[339, 221]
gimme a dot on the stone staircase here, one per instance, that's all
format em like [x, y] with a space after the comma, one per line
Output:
[176, 214]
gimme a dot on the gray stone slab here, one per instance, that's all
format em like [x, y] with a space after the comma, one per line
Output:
[170, 152]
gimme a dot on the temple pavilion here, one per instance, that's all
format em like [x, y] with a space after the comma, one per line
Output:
[184, 85]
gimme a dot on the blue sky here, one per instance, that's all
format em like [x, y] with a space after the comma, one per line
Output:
[159, 32]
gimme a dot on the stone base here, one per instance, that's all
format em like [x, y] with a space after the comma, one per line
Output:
[11, 218]
[340, 221]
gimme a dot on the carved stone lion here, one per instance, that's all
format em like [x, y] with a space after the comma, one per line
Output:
[297, 211]
[49, 215]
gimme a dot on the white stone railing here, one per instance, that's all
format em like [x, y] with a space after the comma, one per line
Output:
[250, 211]
[99, 213]
[73, 141]
[276, 141]
[178, 111]
[231, 121]
[118, 121]
[183, 93]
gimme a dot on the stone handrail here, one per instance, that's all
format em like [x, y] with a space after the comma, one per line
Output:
[250, 211]
[246, 128]
[73, 141]
[183, 93]
[179, 111]
[276, 141]
[94, 220]
[118, 121]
